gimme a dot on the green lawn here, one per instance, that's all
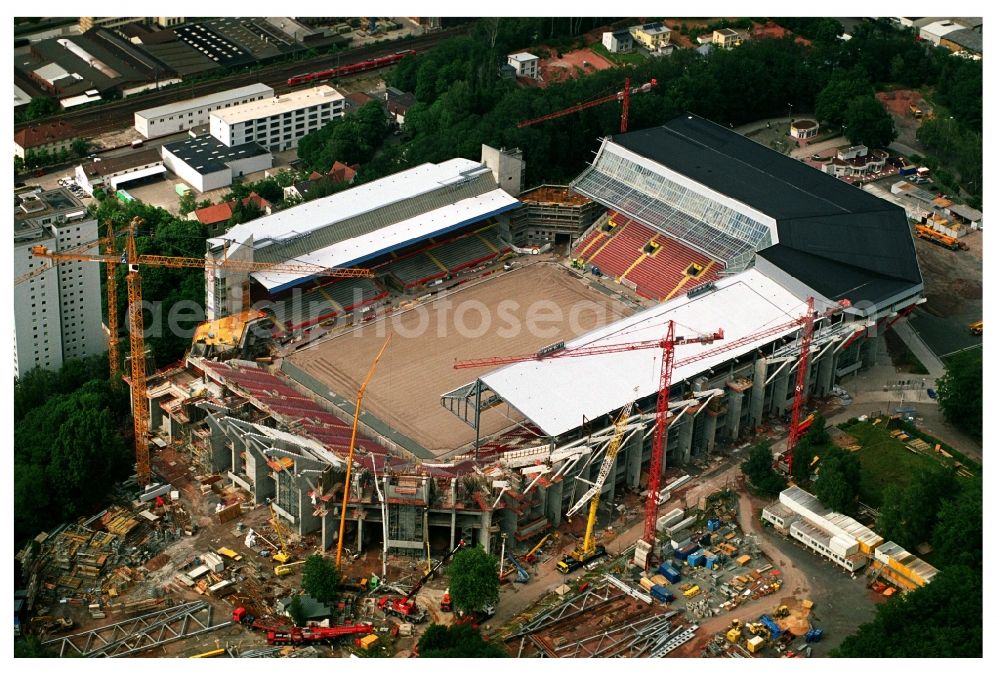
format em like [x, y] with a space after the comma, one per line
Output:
[633, 58]
[885, 461]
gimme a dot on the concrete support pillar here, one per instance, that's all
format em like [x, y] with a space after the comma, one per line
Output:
[308, 520]
[361, 530]
[757, 394]
[685, 432]
[553, 503]
[484, 531]
[824, 373]
[328, 530]
[711, 423]
[779, 394]
[869, 352]
[453, 517]
[666, 444]
[633, 460]
[735, 404]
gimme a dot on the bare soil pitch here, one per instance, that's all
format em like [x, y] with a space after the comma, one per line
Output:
[417, 367]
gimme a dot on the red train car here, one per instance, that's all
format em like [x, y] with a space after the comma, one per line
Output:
[360, 67]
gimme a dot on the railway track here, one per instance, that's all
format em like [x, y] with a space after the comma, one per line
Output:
[119, 114]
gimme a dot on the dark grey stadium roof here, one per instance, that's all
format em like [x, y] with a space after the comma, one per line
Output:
[842, 233]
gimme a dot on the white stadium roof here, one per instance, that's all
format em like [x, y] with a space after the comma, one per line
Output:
[305, 219]
[352, 251]
[557, 393]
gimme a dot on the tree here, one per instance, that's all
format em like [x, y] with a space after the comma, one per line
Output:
[474, 580]
[297, 611]
[244, 212]
[839, 480]
[758, 467]
[40, 106]
[456, 641]
[18, 165]
[958, 535]
[320, 579]
[908, 516]
[812, 443]
[68, 451]
[939, 620]
[80, 147]
[960, 391]
[833, 101]
[188, 202]
[868, 123]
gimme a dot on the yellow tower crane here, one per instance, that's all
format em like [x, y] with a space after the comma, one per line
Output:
[131, 257]
[589, 549]
[350, 448]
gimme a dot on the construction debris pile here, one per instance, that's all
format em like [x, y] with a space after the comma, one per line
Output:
[93, 563]
[771, 634]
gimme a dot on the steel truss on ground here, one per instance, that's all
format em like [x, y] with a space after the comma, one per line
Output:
[630, 641]
[141, 633]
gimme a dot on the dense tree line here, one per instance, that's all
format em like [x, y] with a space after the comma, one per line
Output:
[758, 467]
[351, 140]
[462, 103]
[173, 296]
[960, 391]
[70, 443]
[457, 641]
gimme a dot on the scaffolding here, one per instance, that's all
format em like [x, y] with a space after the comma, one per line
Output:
[716, 230]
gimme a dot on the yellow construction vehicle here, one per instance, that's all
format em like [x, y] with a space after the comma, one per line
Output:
[282, 556]
[781, 612]
[286, 569]
[589, 550]
[976, 328]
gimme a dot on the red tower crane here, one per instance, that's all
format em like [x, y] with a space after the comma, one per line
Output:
[622, 96]
[667, 364]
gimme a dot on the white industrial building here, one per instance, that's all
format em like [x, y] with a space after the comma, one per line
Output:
[525, 64]
[278, 123]
[57, 314]
[205, 163]
[933, 32]
[176, 117]
[111, 173]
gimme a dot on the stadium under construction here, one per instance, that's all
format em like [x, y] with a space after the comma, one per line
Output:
[687, 222]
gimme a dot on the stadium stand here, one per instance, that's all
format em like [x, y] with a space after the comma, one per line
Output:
[324, 302]
[302, 414]
[659, 267]
[512, 440]
[447, 257]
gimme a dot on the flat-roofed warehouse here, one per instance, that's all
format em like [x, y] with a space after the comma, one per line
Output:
[175, 117]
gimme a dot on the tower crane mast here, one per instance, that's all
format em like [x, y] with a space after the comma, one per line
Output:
[137, 347]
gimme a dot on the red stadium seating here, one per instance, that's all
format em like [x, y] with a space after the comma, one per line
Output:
[657, 276]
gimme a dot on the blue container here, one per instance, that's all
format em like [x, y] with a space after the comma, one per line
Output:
[705, 540]
[771, 626]
[696, 558]
[711, 561]
[714, 524]
[661, 593]
[907, 170]
[670, 572]
[683, 553]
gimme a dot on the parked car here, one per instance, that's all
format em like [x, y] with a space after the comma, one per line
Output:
[932, 393]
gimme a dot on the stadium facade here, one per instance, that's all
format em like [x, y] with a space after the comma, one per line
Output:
[750, 234]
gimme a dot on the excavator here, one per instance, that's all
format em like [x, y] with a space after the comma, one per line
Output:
[406, 607]
[589, 550]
